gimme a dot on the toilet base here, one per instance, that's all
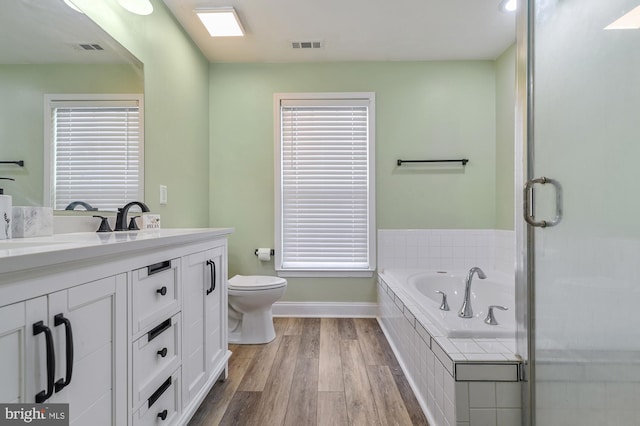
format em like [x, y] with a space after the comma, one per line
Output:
[254, 328]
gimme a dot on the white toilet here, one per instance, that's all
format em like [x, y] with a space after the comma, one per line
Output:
[250, 300]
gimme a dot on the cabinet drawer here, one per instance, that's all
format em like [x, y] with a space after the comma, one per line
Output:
[155, 293]
[163, 405]
[155, 354]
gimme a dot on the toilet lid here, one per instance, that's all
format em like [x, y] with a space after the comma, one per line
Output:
[255, 282]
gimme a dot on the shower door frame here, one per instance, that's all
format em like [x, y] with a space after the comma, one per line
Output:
[524, 161]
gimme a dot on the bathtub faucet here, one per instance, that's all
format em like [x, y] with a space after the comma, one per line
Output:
[465, 310]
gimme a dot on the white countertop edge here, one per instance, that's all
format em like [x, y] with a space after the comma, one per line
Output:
[27, 253]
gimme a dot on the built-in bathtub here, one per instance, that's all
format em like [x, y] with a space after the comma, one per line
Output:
[497, 289]
[463, 371]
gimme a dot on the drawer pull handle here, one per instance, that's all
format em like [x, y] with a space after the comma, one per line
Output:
[162, 291]
[212, 267]
[163, 415]
[158, 267]
[60, 320]
[38, 328]
[163, 353]
[158, 393]
[155, 332]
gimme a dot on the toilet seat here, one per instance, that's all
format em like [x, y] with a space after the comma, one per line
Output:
[255, 282]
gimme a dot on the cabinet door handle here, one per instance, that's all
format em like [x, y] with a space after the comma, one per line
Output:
[212, 266]
[163, 352]
[38, 328]
[162, 291]
[163, 414]
[59, 320]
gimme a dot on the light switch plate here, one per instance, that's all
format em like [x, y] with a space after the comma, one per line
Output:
[163, 194]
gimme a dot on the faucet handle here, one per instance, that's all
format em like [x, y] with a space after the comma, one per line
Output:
[444, 306]
[491, 319]
[133, 226]
[104, 224]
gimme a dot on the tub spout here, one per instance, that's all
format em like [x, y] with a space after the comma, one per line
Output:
[465, 310]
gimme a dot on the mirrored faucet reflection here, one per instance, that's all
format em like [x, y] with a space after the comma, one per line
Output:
[466, 311]
[87, 206]
[121, 218]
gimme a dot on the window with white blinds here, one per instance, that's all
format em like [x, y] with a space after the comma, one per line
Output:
[325, 190]
[96, 152]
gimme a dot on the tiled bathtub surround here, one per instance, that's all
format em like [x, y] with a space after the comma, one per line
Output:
[458, 249]
[462, 382]
[453, 388]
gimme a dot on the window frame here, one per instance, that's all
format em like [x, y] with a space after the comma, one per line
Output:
[356, 96]
[49, 148]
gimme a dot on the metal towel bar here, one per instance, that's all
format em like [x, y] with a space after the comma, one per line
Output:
[464, 161]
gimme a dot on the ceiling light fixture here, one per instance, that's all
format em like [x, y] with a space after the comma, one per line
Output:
[508, 5]
[73, 6]
[139, 7]
[628, 21]
[221, 22]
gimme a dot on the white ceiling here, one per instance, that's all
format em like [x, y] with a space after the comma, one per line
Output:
[44, 32]
[354, 30]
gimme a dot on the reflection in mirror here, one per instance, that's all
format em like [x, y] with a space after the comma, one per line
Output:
[48, 50]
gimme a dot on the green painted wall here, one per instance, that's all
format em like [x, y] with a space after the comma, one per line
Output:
[424, 110]
[176, 83]
[505, 138]
[22, 90]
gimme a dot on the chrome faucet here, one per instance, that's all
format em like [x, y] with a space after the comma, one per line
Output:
[121, 218]
[465, 310]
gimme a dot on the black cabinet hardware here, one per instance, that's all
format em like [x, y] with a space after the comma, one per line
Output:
[158, 393]
[212, 267]
[158, 267]
[163, 352]
[59, 320]
[38, 328]
[163, 415]
[162, 291]
[156, 331]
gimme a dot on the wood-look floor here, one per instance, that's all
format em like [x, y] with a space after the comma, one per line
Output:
[329, 371]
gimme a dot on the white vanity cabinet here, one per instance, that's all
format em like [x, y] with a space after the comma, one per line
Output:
[204, 312]
[74, 357]
[142, 316]
[13, 334]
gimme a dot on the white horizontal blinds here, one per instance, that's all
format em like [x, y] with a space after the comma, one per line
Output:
[97, 153]
[325, 184]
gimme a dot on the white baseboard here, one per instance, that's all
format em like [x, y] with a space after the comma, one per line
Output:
[325, 309]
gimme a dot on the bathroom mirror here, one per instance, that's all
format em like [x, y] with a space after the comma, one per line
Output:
[47, 47]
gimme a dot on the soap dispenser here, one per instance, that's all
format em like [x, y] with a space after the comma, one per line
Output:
[6, 213]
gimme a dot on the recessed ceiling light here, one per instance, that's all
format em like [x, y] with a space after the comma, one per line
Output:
[139, 7]
[628, 21]
[508, 5]
[223, 22]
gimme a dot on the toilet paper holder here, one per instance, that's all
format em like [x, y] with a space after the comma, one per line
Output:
[273, 252]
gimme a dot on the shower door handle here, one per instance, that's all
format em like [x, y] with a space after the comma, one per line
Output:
[528, 204]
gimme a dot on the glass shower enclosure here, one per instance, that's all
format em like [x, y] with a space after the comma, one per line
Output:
[578, 270]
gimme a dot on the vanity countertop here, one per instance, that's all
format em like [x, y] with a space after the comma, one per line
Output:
[27, 253]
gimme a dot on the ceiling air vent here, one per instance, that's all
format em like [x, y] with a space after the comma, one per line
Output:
[90, 46]
[307, 44]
